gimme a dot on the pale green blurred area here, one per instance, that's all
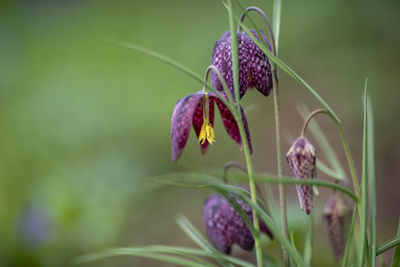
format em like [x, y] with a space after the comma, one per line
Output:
[84, 123]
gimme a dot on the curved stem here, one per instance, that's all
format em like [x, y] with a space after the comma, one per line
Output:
[266, 20]
[345, 144]
[239, 166]
[308, 119]
[229, 165]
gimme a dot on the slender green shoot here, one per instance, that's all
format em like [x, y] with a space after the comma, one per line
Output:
[371, 184]
[349, 238]
[396, 254]
[308, 246]
[364, 183]
[395, 242]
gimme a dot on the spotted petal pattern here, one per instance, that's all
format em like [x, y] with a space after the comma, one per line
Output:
[231, 126]
[254, 66]
[225, 226]
[301, 159]
[222, 59]
[189, 110]
[182, 119]
[260, 68]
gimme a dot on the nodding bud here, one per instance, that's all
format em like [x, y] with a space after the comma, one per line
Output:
[337, 217]
[224, 225]
[301, 159]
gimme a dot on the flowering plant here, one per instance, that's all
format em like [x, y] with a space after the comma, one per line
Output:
[241, 59]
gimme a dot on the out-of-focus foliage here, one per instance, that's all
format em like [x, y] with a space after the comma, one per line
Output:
[83, 122]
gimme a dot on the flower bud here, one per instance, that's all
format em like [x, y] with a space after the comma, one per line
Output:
[224, 225]
[301, 159]
[337, 216]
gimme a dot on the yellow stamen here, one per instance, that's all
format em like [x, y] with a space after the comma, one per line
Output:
[207, 131]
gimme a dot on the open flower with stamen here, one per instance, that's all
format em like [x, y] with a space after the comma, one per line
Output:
[224, 225]
[198, 110]
[302, 161]
[254, 67]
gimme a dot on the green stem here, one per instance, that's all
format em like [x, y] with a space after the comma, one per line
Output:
[243, 136]
[282, 197]
[388, 245]
[350, 160]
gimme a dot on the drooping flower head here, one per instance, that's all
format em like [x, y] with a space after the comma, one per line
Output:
[224, 225]
[302, 161]
[254, 66]
[198, 110]
[337, 216]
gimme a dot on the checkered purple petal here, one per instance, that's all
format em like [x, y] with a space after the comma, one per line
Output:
[301, 159]
[182, 119]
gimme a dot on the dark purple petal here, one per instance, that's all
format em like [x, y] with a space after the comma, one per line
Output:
[198, 121]
[222, 59]
[225, 226]
[230, 124]
[301, 159]
[217, 222]
[181, 121]
[260, 68]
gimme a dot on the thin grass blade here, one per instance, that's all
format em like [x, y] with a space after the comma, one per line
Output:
[138, 252]
[349, 238]
[396, 254]
[371, 184]
[388, 245]
[308, 245]
[190, 230]
[364, 183]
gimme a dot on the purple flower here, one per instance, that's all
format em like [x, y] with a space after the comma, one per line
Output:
[337, 217]
[254, 67]
[198, 110]
[301, 159]
[225, 226]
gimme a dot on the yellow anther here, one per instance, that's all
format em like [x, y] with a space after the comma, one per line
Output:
[207, 131]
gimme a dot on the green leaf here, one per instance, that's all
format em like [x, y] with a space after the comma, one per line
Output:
[349, 238]
[371, 184]
[396, 254]
[395, 242]
[277, 21]
[199, 239]
[364, 182]
[308, 245]
[139, 252]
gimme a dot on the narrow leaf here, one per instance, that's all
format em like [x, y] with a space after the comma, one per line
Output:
[396, 254]
[198, 238]
[308, 246]
[349, 238]
[138, 253]
[364, 182]
[388, 245]
[371, 185]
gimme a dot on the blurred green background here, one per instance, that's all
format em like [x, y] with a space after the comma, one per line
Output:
[85, 123]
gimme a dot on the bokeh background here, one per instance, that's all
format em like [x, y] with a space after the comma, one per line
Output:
[84, 124]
